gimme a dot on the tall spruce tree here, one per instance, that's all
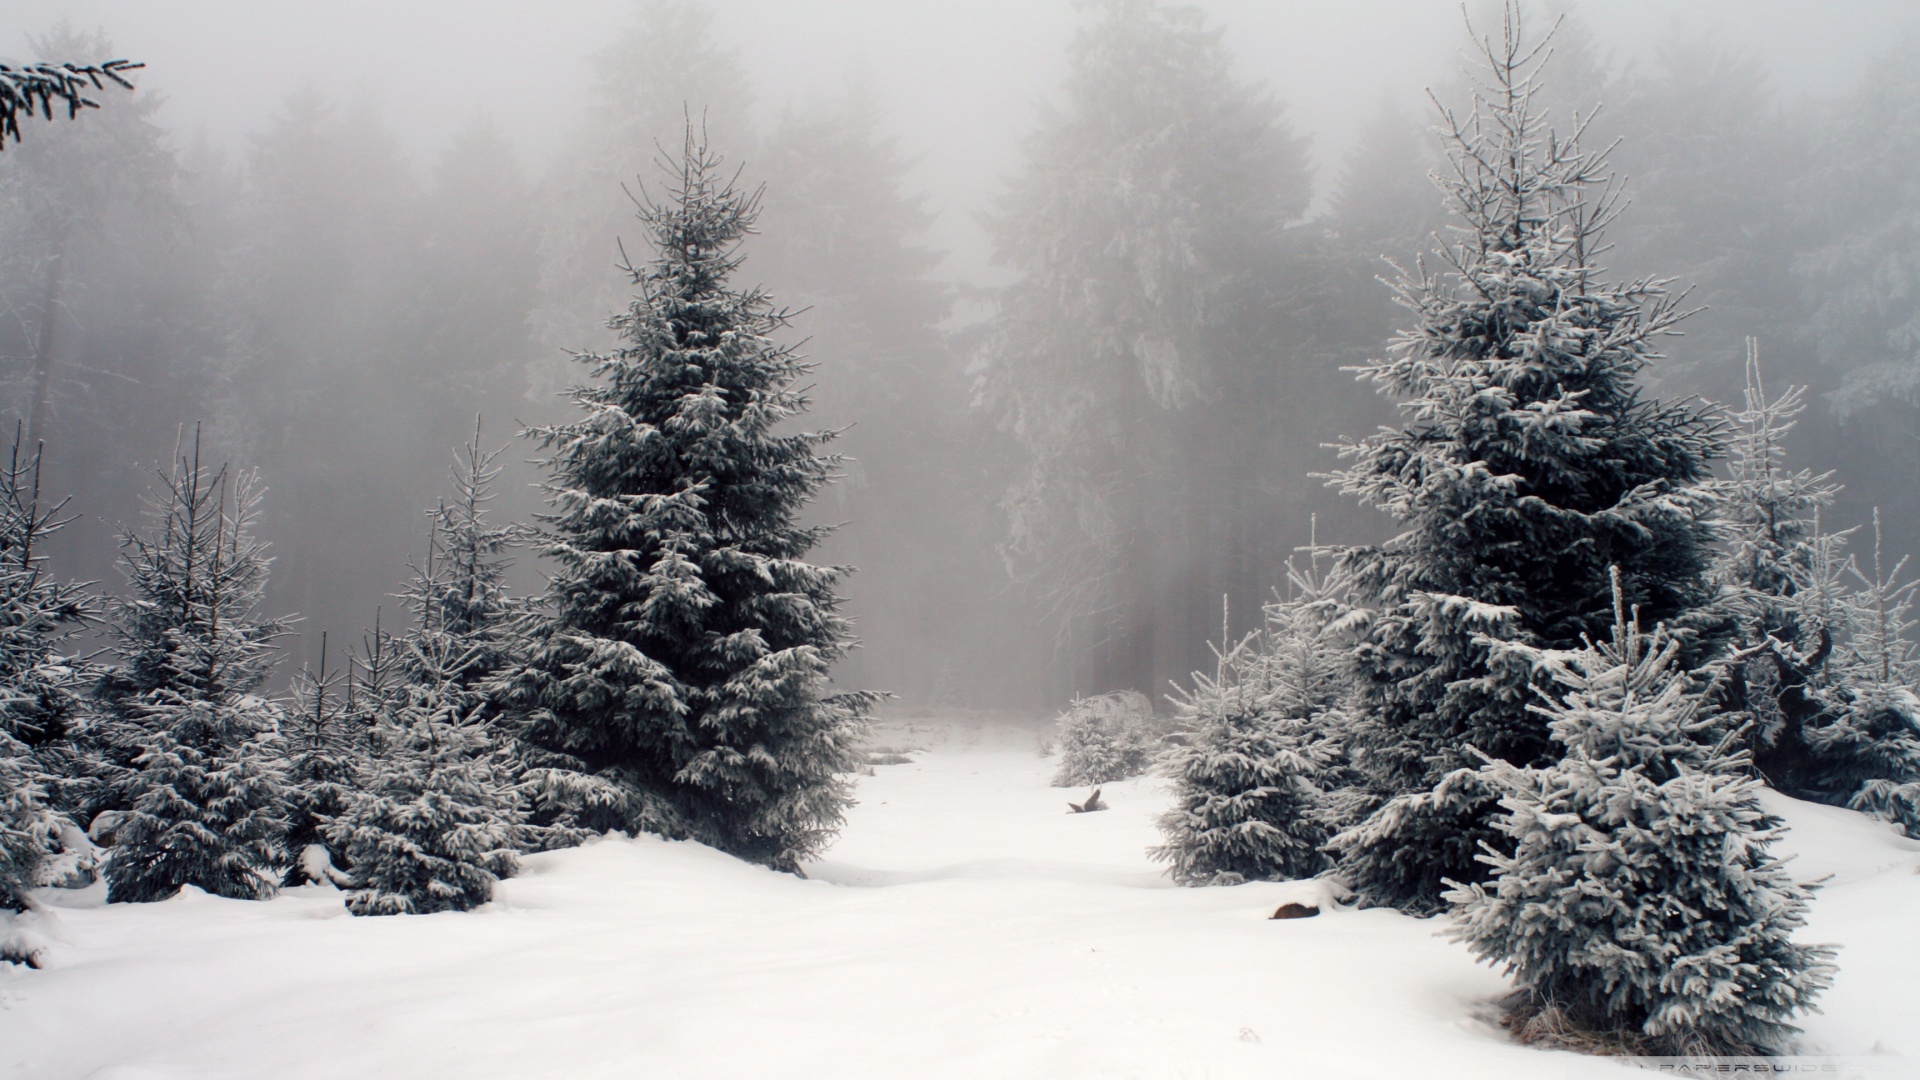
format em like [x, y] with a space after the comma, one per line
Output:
[41, 690]
[1528, 463]
[679, 681]
[1639, 902]
[195, 757]
[1133, 361]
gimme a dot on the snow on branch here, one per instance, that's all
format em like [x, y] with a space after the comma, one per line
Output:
[34, 88]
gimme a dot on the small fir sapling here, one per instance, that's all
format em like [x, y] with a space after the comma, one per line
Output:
[1822, 663]
[1104, 738]
[1254, 779]
[371, 687]
[41, 690]
[321, 771]
[1875, 742]
[435, 822]
[1634, 900]
[677, 679]
[202, 790]
[1782, 576]
[471, 602]
[439, 818]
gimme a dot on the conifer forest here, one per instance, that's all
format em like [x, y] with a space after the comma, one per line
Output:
[846, 538]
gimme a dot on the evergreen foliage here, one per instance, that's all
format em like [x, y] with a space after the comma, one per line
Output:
[35, 88]
[373, 686]
[321, 768]
[195, 754]
[1527, 463]
[439, 817]
[1639, 902]
[465, 594]
[41, 690]
[1785, 579]
[76, 203]
[1401, 853]
[26, 836]
[678, 680]
[1871, 752]
[436, 820]
[1104, 738]
[1823, 664]
[1255, 782]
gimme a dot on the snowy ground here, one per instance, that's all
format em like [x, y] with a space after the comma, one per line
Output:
[965, 925]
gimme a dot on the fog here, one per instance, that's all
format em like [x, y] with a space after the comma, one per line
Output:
[331, 234]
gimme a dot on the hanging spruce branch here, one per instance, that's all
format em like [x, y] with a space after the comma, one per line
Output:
[30, 89]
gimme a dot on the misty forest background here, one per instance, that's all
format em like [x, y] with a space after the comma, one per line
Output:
[1054, 478]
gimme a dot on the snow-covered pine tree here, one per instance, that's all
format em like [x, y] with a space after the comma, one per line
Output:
[679, 680]
[41, 690]
[437, 819]
[195, 757]
[1639, 903]
[1528, 463]
[1822, 665]
[371, 686]
[321, 770]
[1771, 512]
[1869, 753]
[1783, 578]
[469, 600]
[1106, 737]
[1255, 781]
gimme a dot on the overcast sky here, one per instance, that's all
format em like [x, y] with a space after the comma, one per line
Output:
[960, 78]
